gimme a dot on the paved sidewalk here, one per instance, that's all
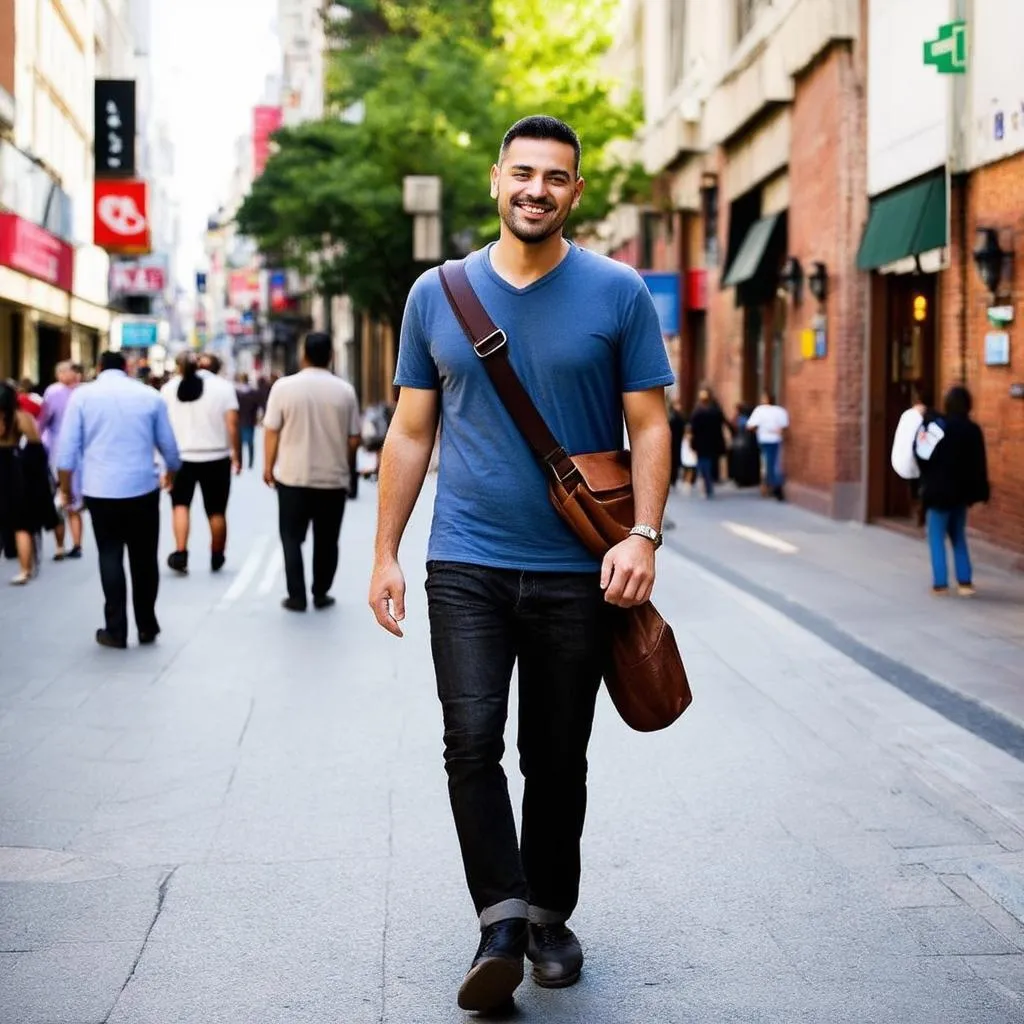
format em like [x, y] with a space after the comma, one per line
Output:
[249, 822]
[872, 586]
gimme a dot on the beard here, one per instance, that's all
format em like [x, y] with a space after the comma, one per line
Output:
[533, 232]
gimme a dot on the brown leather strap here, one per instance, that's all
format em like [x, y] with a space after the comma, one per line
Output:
[491, 344]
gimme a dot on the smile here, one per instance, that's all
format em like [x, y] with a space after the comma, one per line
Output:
[533, 208]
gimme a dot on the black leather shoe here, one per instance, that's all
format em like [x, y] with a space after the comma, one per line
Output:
[217, 561]
[323, 602]
[556, 955]
[148, 638]
[107, 639]
[178, 561]
[497, 969]
[292, 605]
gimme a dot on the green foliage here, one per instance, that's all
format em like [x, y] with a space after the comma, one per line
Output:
[439, 81]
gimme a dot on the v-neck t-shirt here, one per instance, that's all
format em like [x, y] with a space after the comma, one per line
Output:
[578, 338]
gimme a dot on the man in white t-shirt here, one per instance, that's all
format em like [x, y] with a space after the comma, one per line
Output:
[770, 421]
[204, 414]
[311, 432]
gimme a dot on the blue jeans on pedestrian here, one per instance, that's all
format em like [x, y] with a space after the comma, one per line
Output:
[771, 451]
[482, 621]
[706, 471]
[249, 443]
[952, 523]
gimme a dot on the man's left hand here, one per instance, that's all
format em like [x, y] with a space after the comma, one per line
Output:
[236, 465]
[627, 573]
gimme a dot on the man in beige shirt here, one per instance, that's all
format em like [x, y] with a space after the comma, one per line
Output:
[311, 431]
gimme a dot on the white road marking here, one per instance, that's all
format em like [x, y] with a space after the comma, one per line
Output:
[274, 567]
[766, 540]
[245, 575]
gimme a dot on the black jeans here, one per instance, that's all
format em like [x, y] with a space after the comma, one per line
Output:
[134, 523]
[482, 621]
[297, 507]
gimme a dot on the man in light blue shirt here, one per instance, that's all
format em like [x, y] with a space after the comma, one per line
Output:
[111, 430]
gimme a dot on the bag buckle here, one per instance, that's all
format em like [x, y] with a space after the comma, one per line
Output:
[553, 458]
[494, 342]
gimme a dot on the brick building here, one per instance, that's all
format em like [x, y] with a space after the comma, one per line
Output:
[810, 172]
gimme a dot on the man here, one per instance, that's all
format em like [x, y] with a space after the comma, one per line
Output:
[506, 579]
[249, 405]
[770, 421]
[311, 430]
[204, 414]
[51, 420]
[706, 427]
[111, 429]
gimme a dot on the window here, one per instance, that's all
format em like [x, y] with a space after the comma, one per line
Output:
[676, 43]
[709, 197]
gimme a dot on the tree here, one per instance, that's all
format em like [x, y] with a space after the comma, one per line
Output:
[439, 81]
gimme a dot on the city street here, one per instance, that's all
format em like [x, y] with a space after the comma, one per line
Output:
[248, 823]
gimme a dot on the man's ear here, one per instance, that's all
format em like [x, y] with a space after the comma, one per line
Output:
[580, 186]
[495, 174]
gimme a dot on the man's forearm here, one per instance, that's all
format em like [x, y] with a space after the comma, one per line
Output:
[651, 463]
[270, 442]
[403, 468]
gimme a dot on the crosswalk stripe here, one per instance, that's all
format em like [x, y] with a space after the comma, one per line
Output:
[274, 567]
[245, 575]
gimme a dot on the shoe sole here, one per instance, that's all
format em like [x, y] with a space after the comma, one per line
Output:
[490, 984]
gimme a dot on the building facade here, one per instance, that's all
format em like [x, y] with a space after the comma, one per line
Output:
[820, 190]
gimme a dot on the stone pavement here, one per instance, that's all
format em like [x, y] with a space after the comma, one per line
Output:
[248, 823]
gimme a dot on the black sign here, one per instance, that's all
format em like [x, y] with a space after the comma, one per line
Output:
[114, 128]
[200, 282]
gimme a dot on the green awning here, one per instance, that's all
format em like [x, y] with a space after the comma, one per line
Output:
[905, 222]
[751, 256]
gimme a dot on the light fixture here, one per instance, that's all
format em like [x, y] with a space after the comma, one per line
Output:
[988, 258]
[791, 277]
[817, 281]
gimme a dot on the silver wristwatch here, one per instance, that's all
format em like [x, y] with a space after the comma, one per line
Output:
[643, 530]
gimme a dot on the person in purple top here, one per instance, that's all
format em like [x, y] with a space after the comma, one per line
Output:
[51, 418]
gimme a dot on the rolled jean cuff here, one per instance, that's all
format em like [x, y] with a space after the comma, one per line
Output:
[538, 915]
[503, 911]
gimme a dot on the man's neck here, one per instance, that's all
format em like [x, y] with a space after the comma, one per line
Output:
[521, 263]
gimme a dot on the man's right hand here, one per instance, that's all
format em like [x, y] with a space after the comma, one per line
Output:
[167, 481]
[268, 477]
[387, 595]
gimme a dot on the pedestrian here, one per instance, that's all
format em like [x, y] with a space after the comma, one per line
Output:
[204, 414]
[51, 419]
[311, 430]
[507, 580]
[26, 498]
[950, 449]
[111, 429]
[770, 421]
[249, 405]
[707, 425]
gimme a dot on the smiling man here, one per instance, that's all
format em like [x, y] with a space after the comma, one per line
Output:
[507, 581]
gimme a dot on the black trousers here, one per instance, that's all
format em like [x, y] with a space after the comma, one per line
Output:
[482, 621]
[132, 523]
[298, 507]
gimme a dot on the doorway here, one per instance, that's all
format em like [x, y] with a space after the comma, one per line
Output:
[909, 364]
[52, 349]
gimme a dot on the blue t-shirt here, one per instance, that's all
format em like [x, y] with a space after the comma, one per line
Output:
[577, 338]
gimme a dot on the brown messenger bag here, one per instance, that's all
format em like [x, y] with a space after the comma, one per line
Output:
[594, 494]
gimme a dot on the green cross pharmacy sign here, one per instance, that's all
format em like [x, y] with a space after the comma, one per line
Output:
[949, 52]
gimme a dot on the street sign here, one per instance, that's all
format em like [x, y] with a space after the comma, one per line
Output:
[949, 52]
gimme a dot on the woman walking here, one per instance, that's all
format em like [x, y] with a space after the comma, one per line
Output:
[954, 475]
[26, 499]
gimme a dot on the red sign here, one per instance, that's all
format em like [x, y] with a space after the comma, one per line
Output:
[121, 217]
[265, 121]
[697, 289]
[133, 279]
[244, 289]
[34, 251]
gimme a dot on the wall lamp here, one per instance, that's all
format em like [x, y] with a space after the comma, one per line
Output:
[817, 281]
[989, 258]
[791, 277]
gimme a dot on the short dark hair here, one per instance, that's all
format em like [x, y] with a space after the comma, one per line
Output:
[112, 361]
[542, 126]
[318, 349]
[958, 402]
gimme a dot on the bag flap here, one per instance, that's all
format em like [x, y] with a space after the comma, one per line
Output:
[603, 472]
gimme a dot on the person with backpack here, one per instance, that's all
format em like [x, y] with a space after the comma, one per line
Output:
[902, 457]
[950, 450]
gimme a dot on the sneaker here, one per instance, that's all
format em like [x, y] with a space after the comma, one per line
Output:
[497, 968]
[556, 955]
[59, 555]
[75, 552]
[966, 589]
[178, 561]
[217, 561]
